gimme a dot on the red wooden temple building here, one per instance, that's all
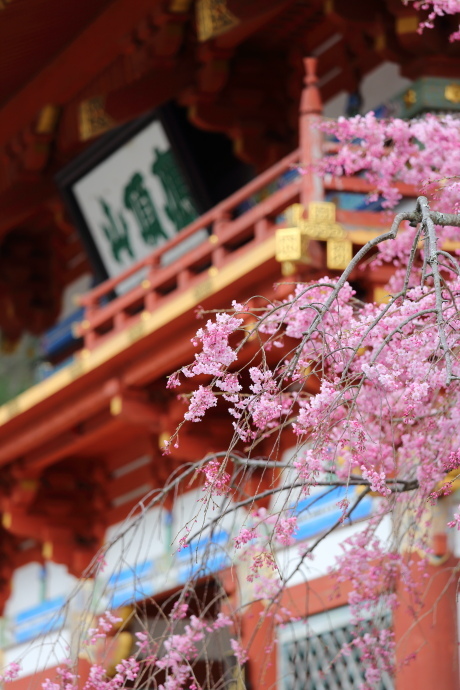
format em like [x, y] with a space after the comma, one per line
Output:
[203, 107]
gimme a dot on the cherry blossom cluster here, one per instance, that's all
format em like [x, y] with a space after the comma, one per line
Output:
[361, 386]
[217, 480]
[423, 152]
[438, 8]
[181, 650]
[10, 673]
[66, 678]
[375, 404]
[173, 656]
[105, 624]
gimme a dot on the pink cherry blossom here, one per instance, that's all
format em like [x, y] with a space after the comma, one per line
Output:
[437, 8]
[455, 522]
[105, 624]
[239, 651]
[217, 480]
[244, 536]
[11, 672]
[202, 399]
[417, 152]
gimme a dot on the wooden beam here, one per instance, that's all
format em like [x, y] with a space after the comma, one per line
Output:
[63, 420]
[147, 93]
[70, 72]
[244, 9]
[358, 11]
[247, 27]
[63, 445]
[129, 482]
[19, 203]
[135, 411]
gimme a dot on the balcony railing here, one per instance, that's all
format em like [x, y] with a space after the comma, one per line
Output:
[229, 230]
[233, 226]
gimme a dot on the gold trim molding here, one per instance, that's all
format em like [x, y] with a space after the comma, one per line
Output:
[213, 18]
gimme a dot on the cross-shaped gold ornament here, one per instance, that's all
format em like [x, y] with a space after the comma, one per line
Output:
[292, 242]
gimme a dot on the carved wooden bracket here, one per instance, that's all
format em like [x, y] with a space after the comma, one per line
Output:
[65, 510]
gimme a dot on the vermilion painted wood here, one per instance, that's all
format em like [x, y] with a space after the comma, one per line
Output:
[142, 368]
[52, 420]
[258, 631]
[205, 220]
[96, 47]
[434, 635]
[255, 224]
[95, 442]
[76, 421]
[81, 408]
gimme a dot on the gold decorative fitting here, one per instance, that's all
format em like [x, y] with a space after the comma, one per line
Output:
[306, 371]
[7, 520]
[47, 550]
[452, 93]
[146, 284]
[410, 98]
[321, 221]
[213, 239]
[29, 484]
[120, 649]
[250, 328]
[179, 6]
[92, 118]
[163, 439]
[116, 405]
[292, 242]
[47, 119]
[452, 479]
[85, 324]
[380, 42]
[407, 25]
[381, 295]
[213, 18]
[291, 245]
[339, 254]
[288, 268]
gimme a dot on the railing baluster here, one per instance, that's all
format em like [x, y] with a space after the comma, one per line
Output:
[226, 229]
[151, 296]
[86, 328]
[119, 321]
[183, 278]
[150, 300]
[220, 224]
[261, 229]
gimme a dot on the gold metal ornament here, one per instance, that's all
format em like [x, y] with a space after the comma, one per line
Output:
[292, 242]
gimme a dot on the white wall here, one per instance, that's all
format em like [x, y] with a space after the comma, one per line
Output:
[377, 88]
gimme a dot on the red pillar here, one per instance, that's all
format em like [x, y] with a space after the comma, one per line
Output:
[258, 637]
[310, 137]
[433, 636]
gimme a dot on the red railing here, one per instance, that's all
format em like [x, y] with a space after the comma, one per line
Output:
[228, 232]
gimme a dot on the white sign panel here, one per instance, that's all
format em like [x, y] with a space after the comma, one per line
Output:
[135, 200]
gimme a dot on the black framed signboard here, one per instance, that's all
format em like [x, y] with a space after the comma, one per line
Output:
[132, 191]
